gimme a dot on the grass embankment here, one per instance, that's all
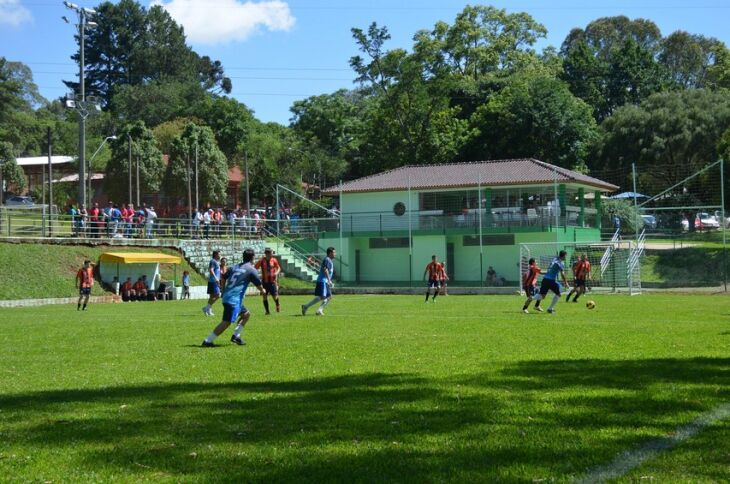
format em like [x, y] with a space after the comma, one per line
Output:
[45, 270]
[383, 388]
[687, 267]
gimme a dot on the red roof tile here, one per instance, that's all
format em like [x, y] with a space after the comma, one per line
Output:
[456, 175]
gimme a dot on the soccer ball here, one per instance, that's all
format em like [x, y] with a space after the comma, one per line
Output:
[591, 305]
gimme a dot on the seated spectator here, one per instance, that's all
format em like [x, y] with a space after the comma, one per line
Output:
[127, 290]
[140, 289]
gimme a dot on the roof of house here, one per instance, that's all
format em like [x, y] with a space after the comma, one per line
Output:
[526, 171]
[43, 160]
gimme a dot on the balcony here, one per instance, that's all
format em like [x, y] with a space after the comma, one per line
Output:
[507, 219]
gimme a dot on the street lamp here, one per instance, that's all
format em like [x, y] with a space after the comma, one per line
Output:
[80, 103]
[112, 137]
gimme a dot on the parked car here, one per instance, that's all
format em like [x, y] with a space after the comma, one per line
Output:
[649, 221]
[20, 201]
[685, 224]
[718, 217]
[705, 221]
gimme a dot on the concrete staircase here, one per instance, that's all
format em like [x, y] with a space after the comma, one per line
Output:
[293, 264]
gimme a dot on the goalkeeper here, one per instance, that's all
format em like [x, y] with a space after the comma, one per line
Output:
[323, 290]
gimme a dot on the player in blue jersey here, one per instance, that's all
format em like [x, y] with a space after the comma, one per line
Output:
[550, 281]
[323, 290]
[237, 280]
[214, 282]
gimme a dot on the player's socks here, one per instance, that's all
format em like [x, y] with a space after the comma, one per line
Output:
[278, 307]
[211, 337]
[237, 332]
[427, 294]
[323, 305]
[84, 307]
[311, 303]
[266, 306]
[78, 306]
[575, 299]
[556, 299]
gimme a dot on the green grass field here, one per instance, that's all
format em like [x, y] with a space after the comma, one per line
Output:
[383, 388]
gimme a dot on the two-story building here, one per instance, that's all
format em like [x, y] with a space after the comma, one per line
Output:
[470, 215]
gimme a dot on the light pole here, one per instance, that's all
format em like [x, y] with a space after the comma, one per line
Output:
[129, 166]
[80, 103]
[92, 159]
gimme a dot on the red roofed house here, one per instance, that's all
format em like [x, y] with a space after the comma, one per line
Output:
[471, 215]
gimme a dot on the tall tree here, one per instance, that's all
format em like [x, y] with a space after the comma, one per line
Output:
[12, 175]
[688, 58]
[132, 45]
[212, 166]
[144, 152]
[11, 91]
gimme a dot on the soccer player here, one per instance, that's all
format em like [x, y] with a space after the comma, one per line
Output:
[237, 280]
[550, 281]
[323, 289]
[582, 271]
[270, 268]
[529, 284]
[127, 290]
[84, 282]
[214, 282]
[140, 289]
[443, 277]
[433, 269]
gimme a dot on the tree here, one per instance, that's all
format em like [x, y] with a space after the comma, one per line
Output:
[668, 135]
[212, 166]
[533, 116]
[132, 45]
[144, 152]
[158, 101]
[166, 132]
[10, 91]
[29, 93]
[230, 120]
[13, 176]
[613, 61]
[688, 58]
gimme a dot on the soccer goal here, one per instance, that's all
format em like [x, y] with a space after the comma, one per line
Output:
[615, 264]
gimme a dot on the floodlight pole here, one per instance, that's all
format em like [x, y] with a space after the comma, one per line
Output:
[129, 166]
[723, 222]
[82, 119]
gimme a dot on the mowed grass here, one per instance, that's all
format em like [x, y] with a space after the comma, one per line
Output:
[383, 388]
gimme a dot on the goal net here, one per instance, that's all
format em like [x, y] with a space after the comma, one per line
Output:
[615, 264]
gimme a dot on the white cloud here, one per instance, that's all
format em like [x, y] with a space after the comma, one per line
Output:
[13, 13]
[220, 21]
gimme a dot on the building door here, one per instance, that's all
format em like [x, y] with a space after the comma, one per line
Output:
[357, 265]
[450, 259]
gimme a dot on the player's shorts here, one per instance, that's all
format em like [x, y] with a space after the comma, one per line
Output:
[580, 282]
[271, 288]
[442, 283]
[84, 291]
[434, 283]
[530, 291]
[214, 289]
[549, 285]
[232, 311]
[323, 290]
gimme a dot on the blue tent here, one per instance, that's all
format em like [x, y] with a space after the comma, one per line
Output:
[629, 195]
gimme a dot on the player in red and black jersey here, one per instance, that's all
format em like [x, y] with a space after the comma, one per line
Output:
[434, 270]
[529, 284]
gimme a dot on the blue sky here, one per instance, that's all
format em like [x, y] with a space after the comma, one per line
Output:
[279, 51]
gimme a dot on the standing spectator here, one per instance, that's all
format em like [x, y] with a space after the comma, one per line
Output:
[107, 218]
[83, 217]
[151, 216]
[218, 217]
[71, 212]
[94, 220]
[116, 218]
[206, 222]
[186, 285]
[232, 217]
[128, 219]
[197, 220]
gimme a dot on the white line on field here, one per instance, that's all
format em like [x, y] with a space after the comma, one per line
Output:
[629, 460]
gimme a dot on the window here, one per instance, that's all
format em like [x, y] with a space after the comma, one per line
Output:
[388, 242]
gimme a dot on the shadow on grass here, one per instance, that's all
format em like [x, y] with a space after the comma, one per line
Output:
[530, 420]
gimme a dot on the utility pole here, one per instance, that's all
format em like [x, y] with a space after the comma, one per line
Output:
[50, 184]
[129, 166]
[197, 193]
[82, 119]
[248, 201]
[138, 204]
[190, 197]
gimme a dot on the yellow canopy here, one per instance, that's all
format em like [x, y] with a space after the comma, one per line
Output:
[139, 258]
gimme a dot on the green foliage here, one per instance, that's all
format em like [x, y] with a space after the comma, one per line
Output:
[231, 121]
[465, 390]
[534, 117]
[144, 152]
[158, 101]
[11, 91]
[212, 166]
[689, 58]
[624, 209]
[12, 174]
[166, 132]
[664, 132]
[133, 46]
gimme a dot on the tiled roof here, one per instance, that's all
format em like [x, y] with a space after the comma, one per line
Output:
[526, 171]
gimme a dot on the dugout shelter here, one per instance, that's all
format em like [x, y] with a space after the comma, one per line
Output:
[121, 265]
